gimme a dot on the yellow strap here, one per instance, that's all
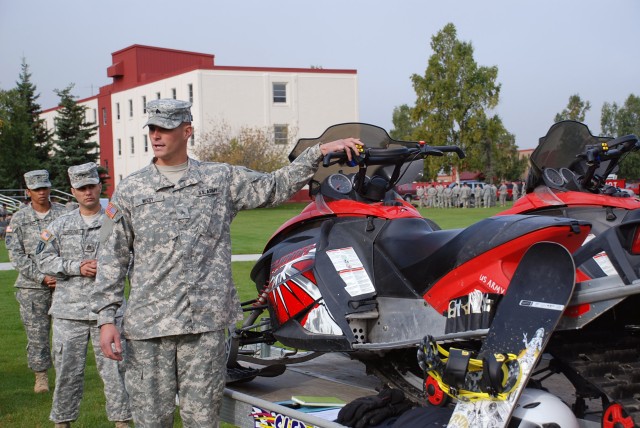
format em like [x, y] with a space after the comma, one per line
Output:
[474, 365]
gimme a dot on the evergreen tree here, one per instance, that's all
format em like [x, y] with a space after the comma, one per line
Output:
[73, 143]
[22, 133]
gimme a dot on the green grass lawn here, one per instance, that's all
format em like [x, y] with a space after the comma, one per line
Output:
[4, 256]
[252, 229]
[20, 407]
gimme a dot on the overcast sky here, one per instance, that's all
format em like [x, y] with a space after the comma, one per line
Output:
[545, 50]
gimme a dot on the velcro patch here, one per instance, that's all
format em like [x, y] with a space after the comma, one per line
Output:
[111, 210]
[207, 192]
[46, 235]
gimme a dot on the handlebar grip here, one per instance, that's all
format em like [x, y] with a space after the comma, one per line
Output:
[451, 149]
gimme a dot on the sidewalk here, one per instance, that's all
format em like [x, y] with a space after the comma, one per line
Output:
[236, 258]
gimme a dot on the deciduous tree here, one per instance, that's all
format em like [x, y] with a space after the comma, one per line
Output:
[452, 99]
[618, 121]
[254, 148]
[576, 110]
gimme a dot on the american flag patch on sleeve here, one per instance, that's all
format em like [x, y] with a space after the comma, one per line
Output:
[46, 235]
[111, 210]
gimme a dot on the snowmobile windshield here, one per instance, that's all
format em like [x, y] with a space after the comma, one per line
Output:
[560, 149]
[372, 136]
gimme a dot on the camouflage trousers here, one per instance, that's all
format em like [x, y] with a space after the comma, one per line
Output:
[34, 313]
[193, 366]
[70, 342]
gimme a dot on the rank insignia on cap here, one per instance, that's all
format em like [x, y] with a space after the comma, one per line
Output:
[46, 235]
[111, 210]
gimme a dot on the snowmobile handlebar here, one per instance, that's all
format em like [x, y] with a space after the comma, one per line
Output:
[607, 150]
[393, 156]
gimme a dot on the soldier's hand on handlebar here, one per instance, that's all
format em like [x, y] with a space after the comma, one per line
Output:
[348, 145]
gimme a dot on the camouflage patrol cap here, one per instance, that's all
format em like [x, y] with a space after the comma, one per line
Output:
[37, 179]
[168, 113]
[82, 175]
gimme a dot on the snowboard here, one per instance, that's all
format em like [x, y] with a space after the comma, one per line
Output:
[525, 318]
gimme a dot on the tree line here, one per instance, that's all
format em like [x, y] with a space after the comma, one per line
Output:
[454, 99]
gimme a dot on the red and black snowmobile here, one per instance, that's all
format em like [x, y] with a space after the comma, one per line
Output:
[597, 344]
[360, 271]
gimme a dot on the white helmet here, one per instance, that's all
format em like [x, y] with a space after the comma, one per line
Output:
[539, 409]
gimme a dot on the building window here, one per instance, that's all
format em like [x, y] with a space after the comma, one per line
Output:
[104, 116]
[118, 111]
[133, 145]
[144, 104]
[281, 134]
[130, 108]
[279, 92]
[119, 147]
[95, 116]
[158, 95]
[146, 143]
[173, 93]
[190, 89]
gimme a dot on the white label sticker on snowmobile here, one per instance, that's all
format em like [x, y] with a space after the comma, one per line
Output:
[602, 259]
[542, 305]
[351, 270]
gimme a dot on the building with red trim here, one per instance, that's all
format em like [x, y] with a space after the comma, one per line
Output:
[292, 102]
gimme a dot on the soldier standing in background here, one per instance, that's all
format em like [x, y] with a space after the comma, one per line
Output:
[502, 194]
[494, 195]
[67, 250]
[172, 219]
[465, 194]
[431, 196]
[34, 289]
[420, 195]
[515, 192]
[447, 195]
[455, 196]
[477, 196]
[486, 195]
[439, 195]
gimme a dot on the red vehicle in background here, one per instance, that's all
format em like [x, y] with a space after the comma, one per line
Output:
[568, 179]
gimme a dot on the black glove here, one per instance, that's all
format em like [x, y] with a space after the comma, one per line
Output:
[379, 415]
[350, 414]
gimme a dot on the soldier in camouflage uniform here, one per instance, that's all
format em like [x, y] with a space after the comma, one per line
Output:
[173, 217]
[34, 289]
[68, 250]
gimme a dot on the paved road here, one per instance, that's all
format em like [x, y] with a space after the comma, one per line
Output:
[236, 258]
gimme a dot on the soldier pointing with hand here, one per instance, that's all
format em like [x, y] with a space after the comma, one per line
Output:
[171, 220]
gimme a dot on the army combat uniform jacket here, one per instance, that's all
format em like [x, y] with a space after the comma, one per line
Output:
[64, 245]
[22, 238]
[179, 236]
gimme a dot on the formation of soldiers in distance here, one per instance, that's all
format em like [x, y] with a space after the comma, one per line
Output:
[463, 196]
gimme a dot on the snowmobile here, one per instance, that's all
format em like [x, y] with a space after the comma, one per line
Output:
[360, 271]
[596, 346]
